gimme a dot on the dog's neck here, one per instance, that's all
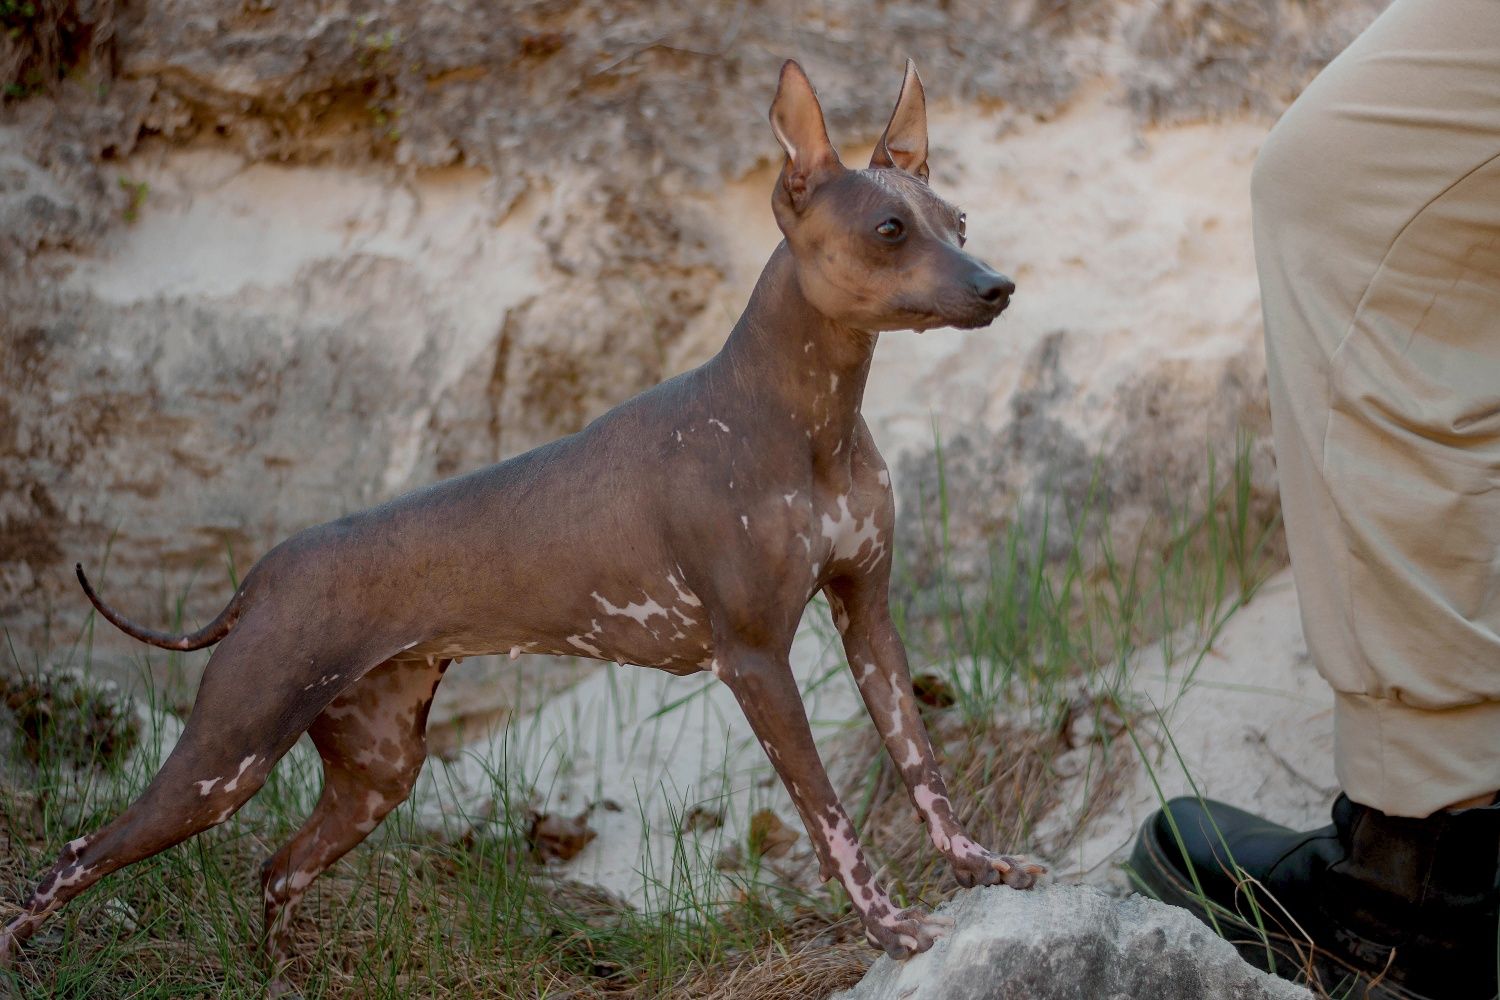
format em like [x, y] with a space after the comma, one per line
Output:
[792, 356]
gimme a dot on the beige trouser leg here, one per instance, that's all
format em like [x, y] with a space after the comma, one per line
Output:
[1377, 235]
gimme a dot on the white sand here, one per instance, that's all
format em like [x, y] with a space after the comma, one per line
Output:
[1253, 727]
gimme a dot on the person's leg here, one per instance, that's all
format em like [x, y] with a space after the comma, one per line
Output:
[1377, 227]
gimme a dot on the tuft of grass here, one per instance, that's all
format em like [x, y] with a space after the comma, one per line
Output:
[1031, 695]
[136, 192]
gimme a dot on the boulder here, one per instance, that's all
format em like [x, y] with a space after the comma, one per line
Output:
[1070, 943]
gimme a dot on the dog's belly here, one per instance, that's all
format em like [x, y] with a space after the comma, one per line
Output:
[654, 621]
[651, 623]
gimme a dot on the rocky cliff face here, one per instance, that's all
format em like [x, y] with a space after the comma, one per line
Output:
[262, 263]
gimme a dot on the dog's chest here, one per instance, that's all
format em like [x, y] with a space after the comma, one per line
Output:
[850, 533]
[843, 529]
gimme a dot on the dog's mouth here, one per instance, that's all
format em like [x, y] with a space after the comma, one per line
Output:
[971, 318]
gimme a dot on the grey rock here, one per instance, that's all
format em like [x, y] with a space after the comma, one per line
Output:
[1070, 943]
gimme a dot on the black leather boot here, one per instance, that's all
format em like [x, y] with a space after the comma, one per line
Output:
[1373, 906]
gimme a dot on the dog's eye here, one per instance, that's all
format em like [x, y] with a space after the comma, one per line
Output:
[890, 229]
[963, 229]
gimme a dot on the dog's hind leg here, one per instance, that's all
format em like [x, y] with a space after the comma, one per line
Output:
[251, 707]
[372, 740]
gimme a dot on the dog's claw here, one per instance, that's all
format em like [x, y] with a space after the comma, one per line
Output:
[973, 865]
[1020, 874]
[907, 932]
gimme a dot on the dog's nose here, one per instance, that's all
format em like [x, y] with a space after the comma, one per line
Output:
[994, 288]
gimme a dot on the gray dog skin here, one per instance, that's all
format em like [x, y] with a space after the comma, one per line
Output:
[687, 529]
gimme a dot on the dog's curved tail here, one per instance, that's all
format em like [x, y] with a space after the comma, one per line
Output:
[205, 636]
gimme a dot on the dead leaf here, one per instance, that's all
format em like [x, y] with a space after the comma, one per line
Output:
[933, 691]
[559, 838]
[769, 836]
[701, 818]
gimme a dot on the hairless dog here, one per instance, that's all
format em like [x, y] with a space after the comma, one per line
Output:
[686, 529]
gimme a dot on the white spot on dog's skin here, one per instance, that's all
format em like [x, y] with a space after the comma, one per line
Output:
[374, 810]
[843, 851]
[926, 801]
[833, 382]
[206, 786]
[849, 534]
[898, 725]
[721, 425]
[716, 669]
[840, 613]
[962, 847]
[745, 521]
[637, 611]
[234, 782]
[884, 478]
[678, 435]
[867, 671]
[913, 755]
[66, 880]
[580, 642]
[789, 497]
[77, 845]
[515, 652]
[685, 596]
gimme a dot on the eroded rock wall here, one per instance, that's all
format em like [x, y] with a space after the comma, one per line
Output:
[263, 263]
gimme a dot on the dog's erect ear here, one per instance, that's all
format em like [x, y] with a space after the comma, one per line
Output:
[797, 120]
[904, 144]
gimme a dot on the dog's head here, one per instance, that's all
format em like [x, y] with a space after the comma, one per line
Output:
[876, 249]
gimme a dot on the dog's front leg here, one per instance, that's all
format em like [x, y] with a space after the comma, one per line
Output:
[762, 683]
[878, 658]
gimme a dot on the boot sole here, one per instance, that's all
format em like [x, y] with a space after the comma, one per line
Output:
[1269, 950]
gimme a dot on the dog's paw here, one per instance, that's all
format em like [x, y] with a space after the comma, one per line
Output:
[973, 865]
[906, 932]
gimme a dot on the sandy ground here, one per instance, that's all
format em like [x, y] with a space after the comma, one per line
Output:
[1252, 726]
